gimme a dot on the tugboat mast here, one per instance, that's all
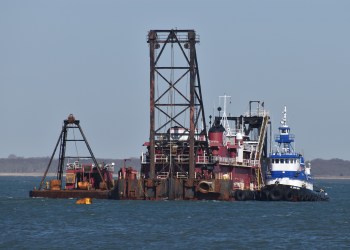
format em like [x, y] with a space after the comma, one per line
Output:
[285, 139]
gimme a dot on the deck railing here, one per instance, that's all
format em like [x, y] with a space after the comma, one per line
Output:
[184, 158]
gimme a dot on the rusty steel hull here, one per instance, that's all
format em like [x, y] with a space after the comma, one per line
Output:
[173, 189]
[151, 189]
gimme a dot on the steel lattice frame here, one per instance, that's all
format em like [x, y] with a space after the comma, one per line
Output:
[183, 40]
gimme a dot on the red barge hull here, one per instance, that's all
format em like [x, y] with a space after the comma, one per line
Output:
[66, 194]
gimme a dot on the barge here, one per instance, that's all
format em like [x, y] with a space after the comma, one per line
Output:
[77, 176]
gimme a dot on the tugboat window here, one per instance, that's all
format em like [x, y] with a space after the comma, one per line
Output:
[282, 160]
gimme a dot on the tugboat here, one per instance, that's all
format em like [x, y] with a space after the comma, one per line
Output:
[288, 178]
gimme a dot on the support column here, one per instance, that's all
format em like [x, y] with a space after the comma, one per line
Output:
[152, 43]
[192, 42]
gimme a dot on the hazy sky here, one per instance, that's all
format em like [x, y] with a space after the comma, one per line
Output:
[91, 58]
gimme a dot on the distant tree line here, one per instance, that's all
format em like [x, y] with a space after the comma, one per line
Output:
[333, 167]
[15, 164]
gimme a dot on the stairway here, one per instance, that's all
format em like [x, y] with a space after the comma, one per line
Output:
[262, 134]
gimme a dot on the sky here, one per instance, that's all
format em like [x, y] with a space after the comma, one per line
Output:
[91, 59]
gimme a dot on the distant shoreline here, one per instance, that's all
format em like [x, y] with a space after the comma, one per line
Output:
[332, 177]
[54, 174]
[26, 174]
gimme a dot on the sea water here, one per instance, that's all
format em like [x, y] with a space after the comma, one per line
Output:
[37, 223]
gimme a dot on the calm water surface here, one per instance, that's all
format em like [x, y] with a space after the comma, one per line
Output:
[36, 223]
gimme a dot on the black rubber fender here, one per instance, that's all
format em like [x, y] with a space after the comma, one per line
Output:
[276, 194]
[303, 197]
[288, 195]
[307, 197]
[240, 195]
[265, 195]
[249, 195]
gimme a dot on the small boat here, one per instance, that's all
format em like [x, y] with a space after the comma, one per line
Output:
[288, 177]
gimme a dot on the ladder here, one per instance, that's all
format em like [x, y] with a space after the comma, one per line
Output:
[262, 134]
